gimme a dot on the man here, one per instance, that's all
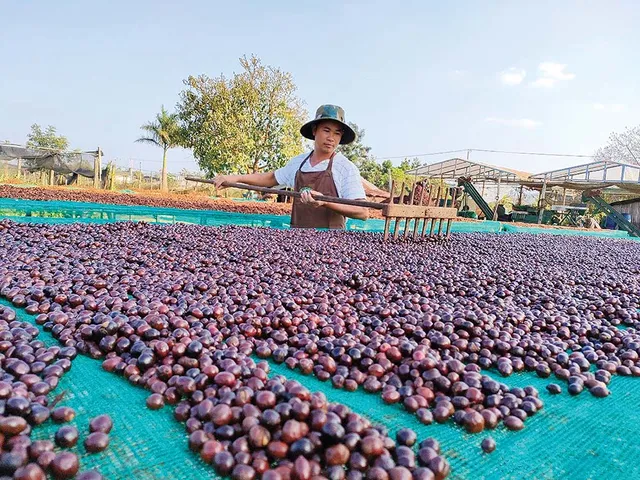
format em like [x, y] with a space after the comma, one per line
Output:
[323, 171]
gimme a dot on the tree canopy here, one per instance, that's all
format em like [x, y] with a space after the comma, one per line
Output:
[622, 147]
[47, 138]
[242, 124]
[372, 170]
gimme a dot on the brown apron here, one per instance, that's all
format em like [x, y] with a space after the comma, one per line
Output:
[306, 216]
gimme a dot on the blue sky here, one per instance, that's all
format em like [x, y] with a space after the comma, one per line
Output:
[544, 76]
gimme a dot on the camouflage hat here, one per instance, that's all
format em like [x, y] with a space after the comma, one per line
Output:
[329, 112]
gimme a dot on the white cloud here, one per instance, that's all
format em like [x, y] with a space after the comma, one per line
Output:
[609, 107]
[514, 122]
[512, 76]
[551, 73]
[544, 82]
[457, 74]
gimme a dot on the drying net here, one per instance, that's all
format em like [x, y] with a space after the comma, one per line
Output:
[65, 212]
[572, 437]
[145, 444]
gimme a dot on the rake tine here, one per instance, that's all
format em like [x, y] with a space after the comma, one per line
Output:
[416, 222]
[407, 221]
[395, 228]
[454, 197]
[387, 221]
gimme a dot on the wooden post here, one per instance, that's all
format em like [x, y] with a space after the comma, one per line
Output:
[543, 193]
[520, 196]
[564, 196]
[52, 176]
[97, 167]
[19, 167]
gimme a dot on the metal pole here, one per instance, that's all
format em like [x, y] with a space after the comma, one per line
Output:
[543, 193]
[495, 209]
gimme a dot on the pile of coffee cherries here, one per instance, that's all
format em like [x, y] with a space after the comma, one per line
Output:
[30, 371]
[184, 311]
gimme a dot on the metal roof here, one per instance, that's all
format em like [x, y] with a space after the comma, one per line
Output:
[455, 168]
[603, 171]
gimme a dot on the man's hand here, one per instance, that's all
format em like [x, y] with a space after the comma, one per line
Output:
[307, 198]
[221, 179]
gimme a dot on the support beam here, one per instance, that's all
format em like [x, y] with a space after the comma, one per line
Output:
[97, 168]
[520, 196]
[543, 193]
[495, 208]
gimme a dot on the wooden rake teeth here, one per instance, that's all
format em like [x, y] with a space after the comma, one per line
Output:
[421, 212]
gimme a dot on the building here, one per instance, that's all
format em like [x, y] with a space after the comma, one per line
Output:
[632, 207]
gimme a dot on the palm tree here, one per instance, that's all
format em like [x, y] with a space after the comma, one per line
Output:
[164, 132]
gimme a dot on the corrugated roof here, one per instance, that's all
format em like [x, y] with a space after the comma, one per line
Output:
[455, 168]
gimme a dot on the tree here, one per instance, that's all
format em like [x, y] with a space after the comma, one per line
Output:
[242, 124]
[622, 147]
[359, 154]
[163, 132]
[356, 151]
[47, 139]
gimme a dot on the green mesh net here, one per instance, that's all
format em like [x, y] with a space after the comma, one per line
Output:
[65, 212]
[572, 437]
[145, 444]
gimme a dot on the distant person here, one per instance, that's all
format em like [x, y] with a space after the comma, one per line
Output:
[322, 171]
[502, 214]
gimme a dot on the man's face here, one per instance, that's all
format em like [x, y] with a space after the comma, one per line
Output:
[328, 135]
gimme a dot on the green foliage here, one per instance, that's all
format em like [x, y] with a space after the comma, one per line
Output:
[164, 132]
[356, 151]
[243, 124]
[370, 169]
[47, 138]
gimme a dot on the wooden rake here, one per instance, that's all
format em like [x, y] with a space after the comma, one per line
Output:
[423, 211]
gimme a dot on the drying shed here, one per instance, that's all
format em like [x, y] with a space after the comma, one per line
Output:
[631, 207]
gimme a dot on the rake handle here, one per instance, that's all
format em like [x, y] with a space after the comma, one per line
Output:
[322, 198]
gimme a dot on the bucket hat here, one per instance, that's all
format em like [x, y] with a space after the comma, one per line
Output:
[329, 112]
